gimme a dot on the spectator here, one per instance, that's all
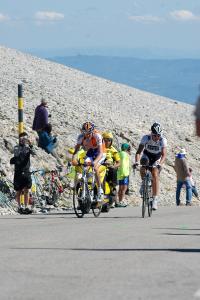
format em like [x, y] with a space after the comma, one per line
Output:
[22, 176]
[48, 142]
[182, 173]
[123, 174]
[197, 115]
[194, 188]
[41, 116]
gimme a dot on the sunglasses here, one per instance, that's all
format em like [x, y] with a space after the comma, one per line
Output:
[108, 140]
[156, 135]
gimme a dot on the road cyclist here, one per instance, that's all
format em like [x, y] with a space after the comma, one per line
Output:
[92, 142]
[152, 152]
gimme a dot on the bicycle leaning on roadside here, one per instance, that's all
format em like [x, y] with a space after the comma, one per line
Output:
[85, 192]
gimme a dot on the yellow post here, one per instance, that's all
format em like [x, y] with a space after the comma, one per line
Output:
[20, 109]
[20, 122]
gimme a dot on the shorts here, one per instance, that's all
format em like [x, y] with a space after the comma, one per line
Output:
[124, 181]
[92, 154]
[22, 181]
[149, 160]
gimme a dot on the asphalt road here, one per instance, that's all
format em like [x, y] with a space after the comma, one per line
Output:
[116, 256]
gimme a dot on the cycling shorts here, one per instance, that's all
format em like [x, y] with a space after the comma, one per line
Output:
[92, 154]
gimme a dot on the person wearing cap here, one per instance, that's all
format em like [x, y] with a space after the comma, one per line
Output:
[112, 160]
[22, 176]
[41, 116]
[182, 173]
[123, 174]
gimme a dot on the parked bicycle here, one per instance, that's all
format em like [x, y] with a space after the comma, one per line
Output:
[53, 186]
[85, 192]
[37, 197]
[7, 193]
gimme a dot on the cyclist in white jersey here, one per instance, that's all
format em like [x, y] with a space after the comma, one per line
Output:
[153, 150]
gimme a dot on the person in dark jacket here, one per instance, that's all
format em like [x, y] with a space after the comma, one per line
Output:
[22, 176]
[41, 116]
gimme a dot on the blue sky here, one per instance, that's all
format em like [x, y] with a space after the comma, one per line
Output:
[47, 24]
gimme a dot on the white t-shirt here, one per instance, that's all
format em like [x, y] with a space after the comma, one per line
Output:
[152, 146]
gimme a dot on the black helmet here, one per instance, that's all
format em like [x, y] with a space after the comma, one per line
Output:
[156, 128]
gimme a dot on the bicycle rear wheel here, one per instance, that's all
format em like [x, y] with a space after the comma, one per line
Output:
[143, 204]
[77, 201]
[149, 207]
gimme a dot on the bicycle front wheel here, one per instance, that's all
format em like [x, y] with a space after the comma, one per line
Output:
[77, 201]
[96, 208]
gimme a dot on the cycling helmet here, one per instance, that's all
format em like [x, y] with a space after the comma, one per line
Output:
[107, 135]
[156, 128]
[87, 127]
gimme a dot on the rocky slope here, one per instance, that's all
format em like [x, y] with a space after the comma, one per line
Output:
[74, 97]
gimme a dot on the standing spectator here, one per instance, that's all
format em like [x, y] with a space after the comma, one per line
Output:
[22, 176]
[123, 173]
[194, 188]
[182, 173]
[197, 115]
[41, 116]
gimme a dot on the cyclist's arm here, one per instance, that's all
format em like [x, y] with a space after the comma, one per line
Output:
[138, 153]
[117, 164]
[77, 147]
[164, 154]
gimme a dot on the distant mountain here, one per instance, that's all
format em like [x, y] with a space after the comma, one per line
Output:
[174, 78]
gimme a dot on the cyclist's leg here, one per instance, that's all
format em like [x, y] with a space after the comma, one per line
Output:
[145, 162]
[155, 181]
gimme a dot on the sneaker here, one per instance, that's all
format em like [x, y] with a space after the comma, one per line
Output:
[188, 204]
[155, 204]
[20, 210]
[112, 205]
[121, 204]
[100, 195]
[27, 211]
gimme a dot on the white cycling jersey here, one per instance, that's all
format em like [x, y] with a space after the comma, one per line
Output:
[153, 147]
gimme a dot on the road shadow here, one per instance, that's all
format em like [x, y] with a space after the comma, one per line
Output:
[176, 228]
[182, 250]
[186, 234]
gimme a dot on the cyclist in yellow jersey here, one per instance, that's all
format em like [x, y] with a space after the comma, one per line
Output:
[112, 160]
